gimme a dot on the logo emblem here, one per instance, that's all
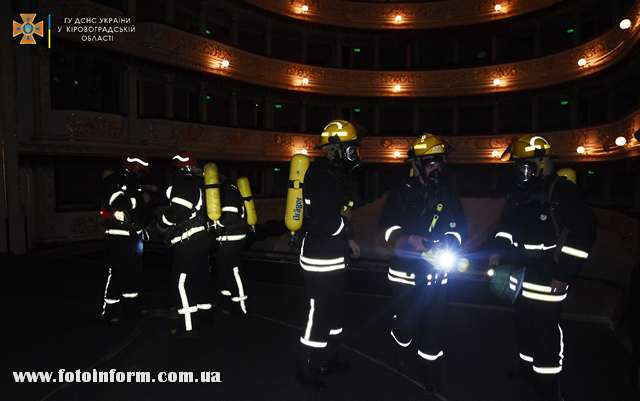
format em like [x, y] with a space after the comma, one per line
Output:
[28, 28]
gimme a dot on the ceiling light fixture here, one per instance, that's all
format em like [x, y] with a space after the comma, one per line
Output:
[625, 24]
[621, 141]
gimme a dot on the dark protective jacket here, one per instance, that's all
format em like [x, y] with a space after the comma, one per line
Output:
[431, 212]
[122, 191]
[548, 229]
[233, 220]
[184, 216]
[327, 191]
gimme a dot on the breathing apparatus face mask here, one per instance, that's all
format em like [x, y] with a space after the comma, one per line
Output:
[351, 156]
[526, 173]
[429, 169]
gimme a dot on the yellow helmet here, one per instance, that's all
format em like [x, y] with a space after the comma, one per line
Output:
[526, 147]
[568, 173]
[428, 145]
[338, 131]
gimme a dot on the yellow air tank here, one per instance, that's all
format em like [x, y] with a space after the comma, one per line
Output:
[568, 173]
[212, 191]
[295, 201]
[249, 204]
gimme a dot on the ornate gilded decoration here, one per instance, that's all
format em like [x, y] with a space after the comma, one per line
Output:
[167, 45]
[363, 15]
[161, 137]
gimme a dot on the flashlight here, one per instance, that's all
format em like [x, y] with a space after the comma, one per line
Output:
[445, 260]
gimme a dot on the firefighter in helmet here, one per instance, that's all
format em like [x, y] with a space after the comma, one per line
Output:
[423, 222]
[326, 249]
[124, 220]
[545, 232]
[184, 224]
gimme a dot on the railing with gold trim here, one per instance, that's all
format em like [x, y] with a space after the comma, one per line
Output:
[411, 15]
[168, 45]
[89, 133]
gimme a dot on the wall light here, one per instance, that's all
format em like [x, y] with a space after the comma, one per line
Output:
[582, 62]
[396, 154]
[621, 141]
[304, 8]
[304, 81]
[398, 19]
[225, 63]
[301, 152]
[581, 150]
[497, 82]
[495, 154]
[397, 88]
[498, 7]
[625, 24]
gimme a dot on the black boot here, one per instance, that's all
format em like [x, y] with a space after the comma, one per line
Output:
[548, 388]
[112, 313]
[307, 371]
[431, 376]
[334, 364]
[401, 358]
[522, 371]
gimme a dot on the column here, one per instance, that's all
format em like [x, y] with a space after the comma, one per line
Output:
[376, 53]
[203, 102]
[455, 123]
[537, 40]
[573, 110]
[169, 12]
[611, 101]
[376, 120]
[457, 52]
[268, 113]
[337, 53]
[168, 96]
[535, 113]
[494, 49]
[303, 115]
[16, 123]
[415, 120]
[267, 38]
[304, 42]
[496, 117]
[234, 109]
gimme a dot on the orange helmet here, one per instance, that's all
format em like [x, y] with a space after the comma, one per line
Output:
[135, 163]
[184, 160]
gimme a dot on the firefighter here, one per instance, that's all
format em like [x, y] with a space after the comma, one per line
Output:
[184, 224]
[231, 231]
[424, 224]
[326, 249]
[124, 220]
[546, 230]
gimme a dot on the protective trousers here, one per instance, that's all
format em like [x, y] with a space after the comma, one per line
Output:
[123, 256]
[541, 343]
[418, 307]
[229, 273]
[190, 275]
[322, 331]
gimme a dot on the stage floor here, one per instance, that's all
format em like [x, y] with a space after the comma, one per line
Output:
[53, 303]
